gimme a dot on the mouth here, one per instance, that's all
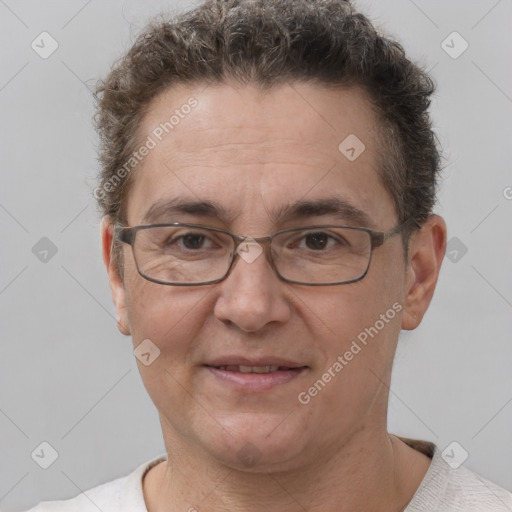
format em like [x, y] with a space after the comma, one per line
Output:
[255, 377]
[255, 369]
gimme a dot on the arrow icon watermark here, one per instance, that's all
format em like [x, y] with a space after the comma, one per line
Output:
[351, 147]
[146, 352]
[249, 250]
[455, 249]
[44, 250]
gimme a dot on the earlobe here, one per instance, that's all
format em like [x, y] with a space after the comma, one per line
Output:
[115, 279]
[426, 253]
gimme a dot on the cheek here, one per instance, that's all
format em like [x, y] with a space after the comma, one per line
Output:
[343, 312]
[170, 317]
[360, 324]
[359, 352]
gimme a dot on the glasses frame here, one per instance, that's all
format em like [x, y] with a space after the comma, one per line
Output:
[127, 235]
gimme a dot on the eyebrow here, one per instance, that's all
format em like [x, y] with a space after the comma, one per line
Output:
[335, 207]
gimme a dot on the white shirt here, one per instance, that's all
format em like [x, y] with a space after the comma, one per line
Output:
[443, 489]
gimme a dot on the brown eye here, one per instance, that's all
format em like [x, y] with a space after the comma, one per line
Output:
[317, 241]
[193, 241]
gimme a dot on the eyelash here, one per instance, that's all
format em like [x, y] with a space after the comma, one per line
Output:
[298, 238]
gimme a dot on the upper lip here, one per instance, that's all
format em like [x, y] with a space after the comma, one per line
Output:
[260, 361]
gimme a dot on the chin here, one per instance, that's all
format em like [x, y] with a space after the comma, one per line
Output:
[253, 441]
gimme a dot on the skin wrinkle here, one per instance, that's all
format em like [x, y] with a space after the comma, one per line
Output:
[372, 136]
[338, 441]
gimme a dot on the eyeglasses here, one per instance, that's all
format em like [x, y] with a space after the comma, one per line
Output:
[183, 254]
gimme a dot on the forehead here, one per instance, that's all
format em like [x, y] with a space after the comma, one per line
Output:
[231, 144]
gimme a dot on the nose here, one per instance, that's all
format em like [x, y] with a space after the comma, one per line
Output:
[252, 295]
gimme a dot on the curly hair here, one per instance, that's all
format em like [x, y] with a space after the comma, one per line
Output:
[266, 43]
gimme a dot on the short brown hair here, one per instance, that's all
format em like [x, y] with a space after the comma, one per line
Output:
[268, 42]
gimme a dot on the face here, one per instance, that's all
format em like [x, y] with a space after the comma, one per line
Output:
[253, 154]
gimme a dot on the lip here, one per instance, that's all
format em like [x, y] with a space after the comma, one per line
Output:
[246, 361]
[255, 382]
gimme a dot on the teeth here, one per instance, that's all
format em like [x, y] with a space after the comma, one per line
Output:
[249, 369]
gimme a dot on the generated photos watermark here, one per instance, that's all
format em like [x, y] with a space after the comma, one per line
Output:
[157, 135]
[337, 366]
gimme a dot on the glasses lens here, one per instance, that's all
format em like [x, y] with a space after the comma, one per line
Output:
[182, 254]
[187, 254]
[322, 255]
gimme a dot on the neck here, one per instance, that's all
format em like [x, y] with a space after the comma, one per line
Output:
[369, 472]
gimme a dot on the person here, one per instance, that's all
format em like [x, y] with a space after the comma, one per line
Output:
[269, 175]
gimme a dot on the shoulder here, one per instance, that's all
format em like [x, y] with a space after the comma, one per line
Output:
[108, 497]
[469, 492]
[104, 497]
[449, 489]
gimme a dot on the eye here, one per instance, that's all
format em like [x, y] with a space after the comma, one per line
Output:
[318, 241]
[191, 241]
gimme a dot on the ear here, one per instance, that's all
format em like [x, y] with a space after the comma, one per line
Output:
[116, 281]
[425, 256]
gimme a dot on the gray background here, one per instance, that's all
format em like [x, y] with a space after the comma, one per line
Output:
[69, 378]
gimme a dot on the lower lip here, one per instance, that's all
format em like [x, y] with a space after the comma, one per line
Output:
[256, 381]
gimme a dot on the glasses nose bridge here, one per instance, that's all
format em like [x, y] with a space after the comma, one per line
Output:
[264, 241]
